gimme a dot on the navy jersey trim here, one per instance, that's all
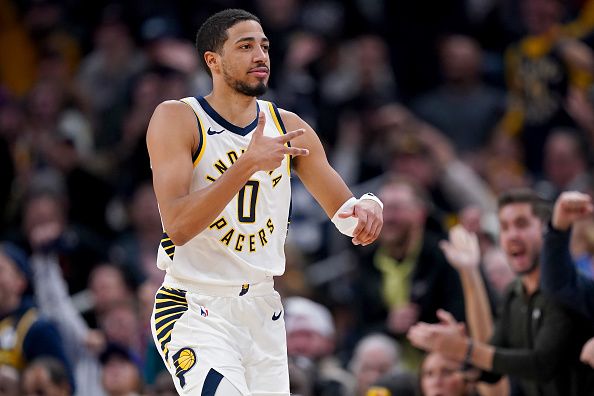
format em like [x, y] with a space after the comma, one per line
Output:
[198, 151]
[279, 118]
[211, 383]
[223, 122]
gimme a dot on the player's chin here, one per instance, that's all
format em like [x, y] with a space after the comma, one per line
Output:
[259, 88]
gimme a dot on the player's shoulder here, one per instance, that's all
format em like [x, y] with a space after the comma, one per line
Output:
[172, 121]
[172, 114]
[292, 121]
[172, 108]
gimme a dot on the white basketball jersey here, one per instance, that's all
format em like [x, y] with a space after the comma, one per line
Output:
[245, 242]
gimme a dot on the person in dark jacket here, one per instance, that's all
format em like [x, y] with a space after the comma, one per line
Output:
[560, 277]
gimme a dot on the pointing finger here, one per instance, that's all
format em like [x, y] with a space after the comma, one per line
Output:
[261, 122]
[291, 135]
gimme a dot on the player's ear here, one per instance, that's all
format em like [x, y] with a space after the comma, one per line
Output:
[212, 61]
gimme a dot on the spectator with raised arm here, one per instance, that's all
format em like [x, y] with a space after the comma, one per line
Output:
[463, 253]
[24, 334]
[535, 340]
[560, 277]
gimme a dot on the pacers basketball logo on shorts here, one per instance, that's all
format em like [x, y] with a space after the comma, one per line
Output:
[183, 361]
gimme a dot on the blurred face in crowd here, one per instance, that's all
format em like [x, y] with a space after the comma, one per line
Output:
[371, 53]
[9, 381]
[540, 15]
[277, 13]
[460, 59]
[372, 363]
[120, 325]
[563, 161]
[45, 102]
[113, 39]
[43, 214]
[441, 377]
[308, 343]
[417, 166]
[520, 236]
[37, 382]
[12, 284]
[120, 376]
[403, 213]
[108, 286]
[244, 60]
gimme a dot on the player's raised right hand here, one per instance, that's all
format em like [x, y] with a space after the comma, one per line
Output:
[267, 153]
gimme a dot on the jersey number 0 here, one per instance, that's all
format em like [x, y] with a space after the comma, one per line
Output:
[247, 215]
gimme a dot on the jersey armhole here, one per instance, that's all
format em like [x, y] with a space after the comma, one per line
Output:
[278, 122]
[197, 155]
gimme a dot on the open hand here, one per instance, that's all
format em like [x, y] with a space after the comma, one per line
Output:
[446, 337]
[462, 249]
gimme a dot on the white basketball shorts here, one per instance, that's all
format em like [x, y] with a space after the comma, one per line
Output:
[211, 332]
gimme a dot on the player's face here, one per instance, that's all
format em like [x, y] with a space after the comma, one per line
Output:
[520, 236]
[244, 59]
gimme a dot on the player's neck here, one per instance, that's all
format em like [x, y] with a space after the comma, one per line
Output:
[234, 107]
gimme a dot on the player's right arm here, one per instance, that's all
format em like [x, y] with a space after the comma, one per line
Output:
[172, 137]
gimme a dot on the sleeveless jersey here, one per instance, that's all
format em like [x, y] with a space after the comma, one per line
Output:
[245, 242]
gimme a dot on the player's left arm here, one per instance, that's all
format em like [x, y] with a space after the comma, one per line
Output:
[328, 188]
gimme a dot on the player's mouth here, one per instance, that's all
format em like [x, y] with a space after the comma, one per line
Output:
[260, 71]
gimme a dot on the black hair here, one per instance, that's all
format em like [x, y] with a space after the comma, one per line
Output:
[541, 208]
[213, 33]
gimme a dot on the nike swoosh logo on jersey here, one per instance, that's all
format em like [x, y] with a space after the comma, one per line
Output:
[211, 132]
[275, 316]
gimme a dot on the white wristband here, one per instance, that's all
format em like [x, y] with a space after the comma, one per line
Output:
[346, 225]
[372, 197]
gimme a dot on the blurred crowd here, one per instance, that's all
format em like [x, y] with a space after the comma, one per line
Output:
[438, 107]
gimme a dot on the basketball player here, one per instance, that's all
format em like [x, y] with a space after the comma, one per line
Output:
[221, 168]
